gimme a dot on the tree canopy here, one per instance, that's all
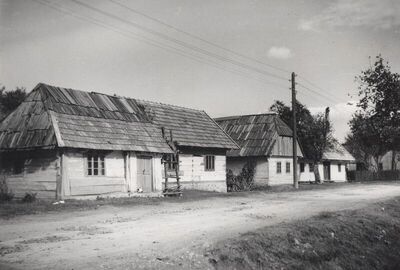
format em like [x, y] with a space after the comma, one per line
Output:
[10, 100]
[375, 127]
[314, 131]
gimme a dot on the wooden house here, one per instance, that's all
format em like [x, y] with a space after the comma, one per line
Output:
[66, 143]
[332, 168]
[266, 141]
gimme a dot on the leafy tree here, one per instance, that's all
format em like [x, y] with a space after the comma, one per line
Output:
[361, 154]
[10, 100]
[314, 131]
[376, 124]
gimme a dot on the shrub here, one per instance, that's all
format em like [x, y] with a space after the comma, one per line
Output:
[29, 197]
[5, 194]
[99, 198]
[243, 181]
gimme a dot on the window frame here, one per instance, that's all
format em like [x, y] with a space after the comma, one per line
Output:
[101, 164]
[287, 167]
[209, 163]
[278, 167]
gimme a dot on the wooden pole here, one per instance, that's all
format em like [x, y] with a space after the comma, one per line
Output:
[295, 180]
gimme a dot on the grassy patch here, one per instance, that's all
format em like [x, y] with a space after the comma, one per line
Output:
[362, 239]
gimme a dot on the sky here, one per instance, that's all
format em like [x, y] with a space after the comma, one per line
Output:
[227, 57]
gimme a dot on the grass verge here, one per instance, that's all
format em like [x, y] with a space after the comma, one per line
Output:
[362, 239]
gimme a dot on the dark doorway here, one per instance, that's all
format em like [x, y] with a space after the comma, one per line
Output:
[327, 171]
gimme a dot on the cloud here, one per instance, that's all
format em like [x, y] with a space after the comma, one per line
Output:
[307, 25]
[279, 52]
[378, 15]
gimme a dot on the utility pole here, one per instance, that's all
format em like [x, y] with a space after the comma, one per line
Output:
[294, 139]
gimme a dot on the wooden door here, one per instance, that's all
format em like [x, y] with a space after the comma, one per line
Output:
[327, 171]
[145, 174]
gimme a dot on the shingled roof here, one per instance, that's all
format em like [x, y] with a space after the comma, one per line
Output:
[338, 153]
[255, 134]
[190, 127]
[54, 116]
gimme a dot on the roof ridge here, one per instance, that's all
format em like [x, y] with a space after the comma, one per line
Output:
[119, 96]
[243, 115]
[166, 104]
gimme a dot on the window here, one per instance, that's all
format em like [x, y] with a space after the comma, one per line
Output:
[287, 167]
[95, 165]
[380, 166]
[301, 167]
[209, 163]
[339, 167]
[311, 167]
[278, 167]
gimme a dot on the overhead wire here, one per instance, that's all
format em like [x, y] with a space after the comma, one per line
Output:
[155, 43]
[185, 45]
[198, 37]
[179, 42]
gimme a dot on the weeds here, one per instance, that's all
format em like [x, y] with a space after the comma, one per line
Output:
[243, 181]
[29, 197]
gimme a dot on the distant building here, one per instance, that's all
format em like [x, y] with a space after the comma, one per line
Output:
[64, 143]
[264, 140]
[333, 166]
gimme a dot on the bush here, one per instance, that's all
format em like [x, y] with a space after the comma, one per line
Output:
[29, 197]
[243, 181]
[5, 194]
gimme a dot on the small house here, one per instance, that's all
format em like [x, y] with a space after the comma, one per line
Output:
[332, 168]
[265, 141]
[65, 143]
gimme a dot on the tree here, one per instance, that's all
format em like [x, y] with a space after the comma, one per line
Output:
[314, 131]
[10, 100]
[376, 124]
[362, 156]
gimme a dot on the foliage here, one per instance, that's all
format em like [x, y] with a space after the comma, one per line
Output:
[352, 144]
[243, 181]
[10, 100]
[376, 124]
[303, 119]
[6, 195]
[29, 197]
[314, 131]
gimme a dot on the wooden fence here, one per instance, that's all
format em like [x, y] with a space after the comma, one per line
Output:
[363, 176]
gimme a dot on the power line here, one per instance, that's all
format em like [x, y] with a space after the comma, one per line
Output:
[197, 37]
[169, 48]
[208, 42]
[318, 93]
[155, 43]
[179, 42]
[321, 89]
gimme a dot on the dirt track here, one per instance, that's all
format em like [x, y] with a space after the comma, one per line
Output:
[169, 235]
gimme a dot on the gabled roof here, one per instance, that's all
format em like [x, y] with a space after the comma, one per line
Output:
[190, 127]
[338, 153]
[255, 134]
[77, 119]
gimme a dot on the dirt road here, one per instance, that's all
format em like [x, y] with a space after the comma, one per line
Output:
[169, 235]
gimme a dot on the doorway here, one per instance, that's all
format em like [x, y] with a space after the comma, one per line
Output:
[145, 174]
[327, 171]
